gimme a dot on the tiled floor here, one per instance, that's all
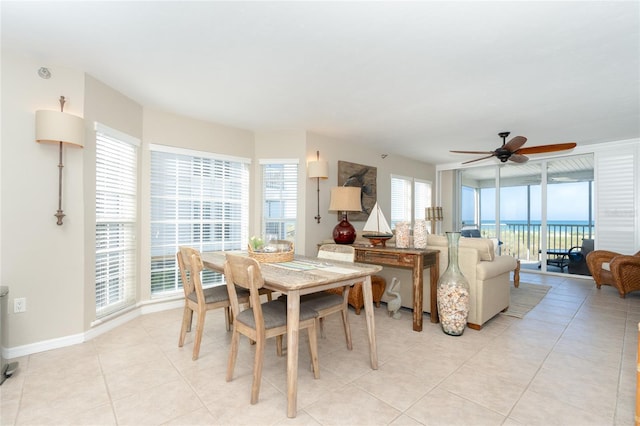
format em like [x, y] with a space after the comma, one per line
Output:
[570, 361]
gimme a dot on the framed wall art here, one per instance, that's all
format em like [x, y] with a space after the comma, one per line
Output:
[364, 177]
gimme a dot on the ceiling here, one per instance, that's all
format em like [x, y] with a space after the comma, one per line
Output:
[414, 79]
[570, 169]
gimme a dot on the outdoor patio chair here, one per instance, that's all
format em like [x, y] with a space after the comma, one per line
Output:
[578, 257]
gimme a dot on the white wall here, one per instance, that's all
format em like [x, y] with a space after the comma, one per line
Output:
[41, 261]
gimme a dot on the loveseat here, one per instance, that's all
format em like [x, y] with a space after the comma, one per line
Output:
[487, 273]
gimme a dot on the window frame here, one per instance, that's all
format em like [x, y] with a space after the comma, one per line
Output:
[409, 212]
[280, 191]
[206, 206]
[116, 220]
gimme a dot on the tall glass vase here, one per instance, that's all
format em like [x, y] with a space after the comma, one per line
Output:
[453, 292]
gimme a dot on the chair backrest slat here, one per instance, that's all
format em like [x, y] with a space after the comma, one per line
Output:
[337, 252]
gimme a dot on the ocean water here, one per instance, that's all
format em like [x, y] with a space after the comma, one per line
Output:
[537, 222]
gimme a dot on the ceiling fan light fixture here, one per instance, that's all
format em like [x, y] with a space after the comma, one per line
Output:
[513, 151]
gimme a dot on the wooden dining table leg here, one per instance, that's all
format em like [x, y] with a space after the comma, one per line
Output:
[293, 329]
[371, 325]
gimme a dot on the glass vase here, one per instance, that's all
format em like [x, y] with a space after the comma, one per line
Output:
[453, 292]
[403, 231]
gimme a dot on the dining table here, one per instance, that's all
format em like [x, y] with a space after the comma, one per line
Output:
[304, 275]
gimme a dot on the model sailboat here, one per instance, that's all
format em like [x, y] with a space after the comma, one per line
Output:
[377, 229]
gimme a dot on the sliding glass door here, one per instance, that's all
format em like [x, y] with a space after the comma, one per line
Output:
[538, 210]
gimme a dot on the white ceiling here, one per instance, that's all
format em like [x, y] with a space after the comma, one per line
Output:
[409, 78]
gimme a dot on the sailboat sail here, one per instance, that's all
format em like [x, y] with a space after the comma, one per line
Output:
[376, 224]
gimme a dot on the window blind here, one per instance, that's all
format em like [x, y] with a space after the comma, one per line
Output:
[198, 201]
[400, 200]
[616, 198]
[280, 199]
[422, 191]
[116, 194]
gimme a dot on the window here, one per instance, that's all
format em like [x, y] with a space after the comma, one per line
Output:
[279, 199]
[116, 194]
[197, 199]
[409, 198]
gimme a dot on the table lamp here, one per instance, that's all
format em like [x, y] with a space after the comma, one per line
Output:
[345, 199]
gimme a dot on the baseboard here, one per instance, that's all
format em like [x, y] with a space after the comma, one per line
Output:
[45, 345]
[98, 327]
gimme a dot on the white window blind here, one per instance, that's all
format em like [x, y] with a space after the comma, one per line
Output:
[116, 221]
[280, 199]
[616, 198]
[409, 198]
[199, 201]
[422, 191]
[400, 200]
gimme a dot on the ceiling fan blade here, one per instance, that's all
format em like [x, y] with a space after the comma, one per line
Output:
[478, 159]
[518, 158]
[546, 148]
[514, 144]
[472, 152]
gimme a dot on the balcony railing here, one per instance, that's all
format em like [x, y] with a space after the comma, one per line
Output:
[523, 241]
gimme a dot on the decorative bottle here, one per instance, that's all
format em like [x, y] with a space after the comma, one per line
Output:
[453, 292]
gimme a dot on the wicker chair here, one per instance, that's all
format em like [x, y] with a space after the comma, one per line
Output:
[615, 269]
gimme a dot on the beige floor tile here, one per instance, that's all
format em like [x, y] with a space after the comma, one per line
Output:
[396, 386]
[134, 378]
[440, 407]
[59, 401]
[487, 390]
[351, 406]
[157, 405]
[199, 417]
[578, 383]
[539, 410]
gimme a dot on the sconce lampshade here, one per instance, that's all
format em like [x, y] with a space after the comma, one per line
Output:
[433, 214]
[345, 199]
[58, 126]
[318, 169]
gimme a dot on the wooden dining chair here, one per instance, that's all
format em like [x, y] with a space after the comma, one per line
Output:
[262, 320]
[335, 300]
[200, 300]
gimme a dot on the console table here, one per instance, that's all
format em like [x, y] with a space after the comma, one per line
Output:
[411, 258]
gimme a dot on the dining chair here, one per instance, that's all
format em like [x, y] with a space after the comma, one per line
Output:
[198, 299]
[335, 300]
[262, 320]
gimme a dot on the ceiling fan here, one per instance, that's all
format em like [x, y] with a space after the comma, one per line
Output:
[512, 150]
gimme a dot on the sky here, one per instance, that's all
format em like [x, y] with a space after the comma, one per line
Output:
[566, 201]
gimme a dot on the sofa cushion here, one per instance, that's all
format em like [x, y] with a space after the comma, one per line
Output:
[485, 247]
[500, 265]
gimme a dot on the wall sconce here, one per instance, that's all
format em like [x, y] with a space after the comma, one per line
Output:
[318, 170]
[60, 127]
[433, 214]
[345, 199]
